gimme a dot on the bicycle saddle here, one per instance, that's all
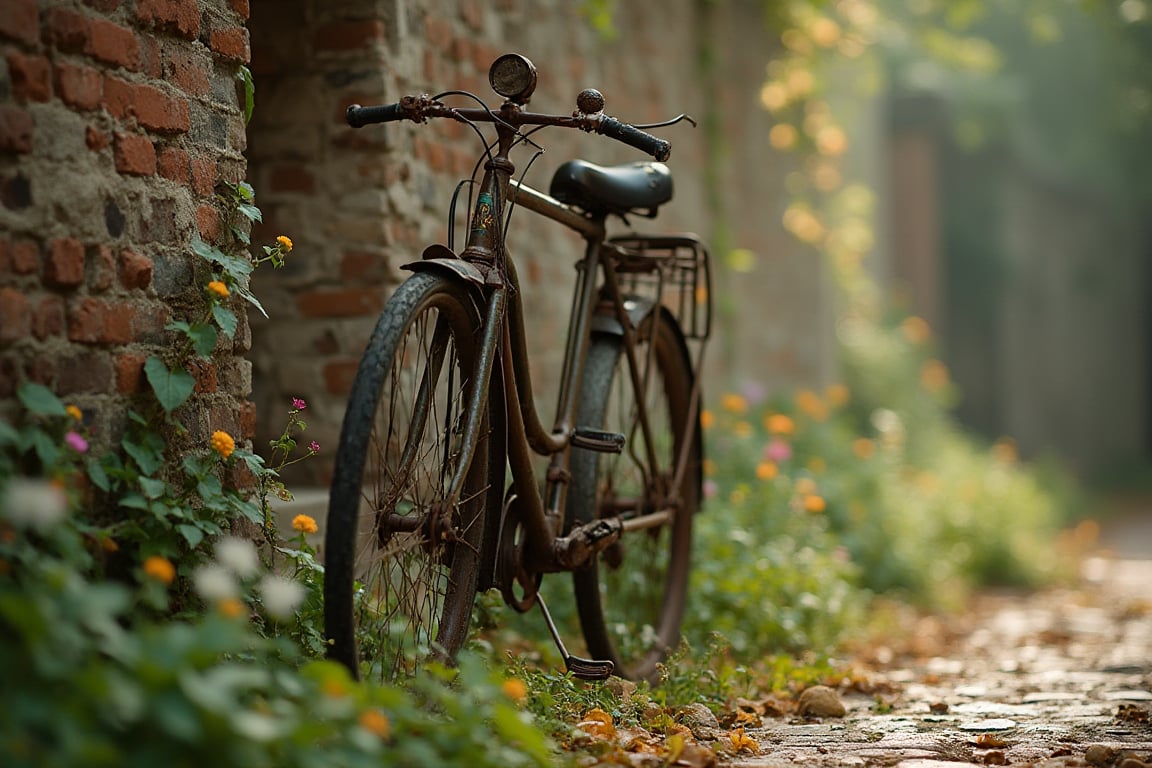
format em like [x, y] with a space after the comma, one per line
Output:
[632, 188]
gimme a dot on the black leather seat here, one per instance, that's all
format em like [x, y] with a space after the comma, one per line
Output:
[633, 188]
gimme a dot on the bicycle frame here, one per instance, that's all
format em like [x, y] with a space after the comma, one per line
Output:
[485, 263]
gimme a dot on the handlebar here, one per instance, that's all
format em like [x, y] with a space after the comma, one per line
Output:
[418, 108]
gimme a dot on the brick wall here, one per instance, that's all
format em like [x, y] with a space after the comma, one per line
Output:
[359, 203]
[117, 121]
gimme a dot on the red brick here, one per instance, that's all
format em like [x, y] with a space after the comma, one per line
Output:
[172, 163]
[291, 178]
[339, 375]
[349, 35]
[231, 43]
[79, 86]
[179, 16]
[31, 76]
[207, 222]
[25, 257]
[135, 154]
[101, 269]
[151, 62]
[129, 373]
[15, 315]
[135, 270]
[247, 414]
[353, 302]
[95, 138]
[113, 44]
[206, 376]
[21, 21]
[437, 33]
[204, 173]
[157, 111]
[64, 265]
[361, 267]
[104, 6]
[189, 72]
[86, 372]
[48, 318]
[15, 130]
[67, 30]
[99, 321]
[119, 98]
[473, 14]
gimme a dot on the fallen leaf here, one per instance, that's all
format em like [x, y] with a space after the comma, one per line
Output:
[598, 724]
[988, 740]
[742, 742]
[696, 756]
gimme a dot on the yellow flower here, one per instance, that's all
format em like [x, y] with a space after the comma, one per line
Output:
[837, 395]
[832, 141]
[734, 403]
[304, 524]
[75, 412]
[218, 288]
[707, 419]
[810, 403]
[779, 424]
[223, 443]
[782, 136]
[766, 470]
[916, 329]
[515, 689]
[231, 607]
[160, 568]
[285, 243]
[825, 32]
[375, 721]
[863, 447]
[934, 376]
[814, 504]
[817, 464]
[742, 429]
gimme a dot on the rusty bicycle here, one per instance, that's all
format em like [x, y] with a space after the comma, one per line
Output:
[435, 495]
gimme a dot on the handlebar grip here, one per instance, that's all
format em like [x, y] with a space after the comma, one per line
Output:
[358, 116]
[632, 136]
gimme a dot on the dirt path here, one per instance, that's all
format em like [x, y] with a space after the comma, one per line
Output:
[1062, 678]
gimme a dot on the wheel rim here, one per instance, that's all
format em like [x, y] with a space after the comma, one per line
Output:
[414, 552]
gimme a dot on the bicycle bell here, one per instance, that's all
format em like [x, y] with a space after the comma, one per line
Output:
[514, 77]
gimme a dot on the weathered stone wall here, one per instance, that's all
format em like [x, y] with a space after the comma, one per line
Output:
[117, 122]
[360, 203]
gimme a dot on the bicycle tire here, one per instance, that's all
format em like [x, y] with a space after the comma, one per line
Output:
[400, 574]
[631, 598]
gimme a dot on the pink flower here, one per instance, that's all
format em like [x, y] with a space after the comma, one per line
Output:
[778, 450]
[314, 447]
[710, 488]
[76, 442]
[299, 403]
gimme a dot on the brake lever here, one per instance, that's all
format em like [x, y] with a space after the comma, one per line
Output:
[682, 117]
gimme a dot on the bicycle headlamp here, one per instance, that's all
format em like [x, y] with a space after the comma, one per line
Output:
[514, 77]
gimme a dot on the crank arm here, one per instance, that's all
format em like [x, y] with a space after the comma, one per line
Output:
[577, 549]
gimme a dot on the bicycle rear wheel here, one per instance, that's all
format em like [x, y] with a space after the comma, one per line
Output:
[401, 562]
[631, 599]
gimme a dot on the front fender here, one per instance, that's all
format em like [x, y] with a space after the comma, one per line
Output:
[606, 322]
[441, 259]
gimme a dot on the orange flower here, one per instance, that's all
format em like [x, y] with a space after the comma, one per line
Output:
[223, 444]
[734, 403]
[304, 524]
[109, 545]
[934, 376]
[285, 243]
[766, 470]
[160, 568]
[75, 412]
[742, 429]
[780, 424]
[815, 504]
[218, 288]
[837, 395]
[515, 689]
[810, 404]
[707, 419]
[375, 721]
[231, 607]
[915, 329]
[863, 447]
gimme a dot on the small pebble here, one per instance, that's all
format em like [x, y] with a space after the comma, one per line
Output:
[820, 701]
[1098, 754]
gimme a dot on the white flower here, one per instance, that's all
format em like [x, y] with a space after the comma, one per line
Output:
[238, 556]
[280, 596]
[35, 504]
[214, 582]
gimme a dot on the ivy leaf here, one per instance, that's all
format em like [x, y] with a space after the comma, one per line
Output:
[153, 488]
[226, 319]
[38, 399]
[203, 339]
[191, 534]
[98, 476]
[171, 386]
[146, 456]
[238, 267]
[247, 294]
[244, 75]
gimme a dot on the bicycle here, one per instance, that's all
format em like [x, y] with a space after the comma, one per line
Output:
[441, 415]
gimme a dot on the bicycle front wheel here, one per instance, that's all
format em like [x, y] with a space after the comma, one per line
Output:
[401, 559]
[631, 599]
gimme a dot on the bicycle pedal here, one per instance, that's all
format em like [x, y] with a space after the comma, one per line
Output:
[597, 440]
[589, 669]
